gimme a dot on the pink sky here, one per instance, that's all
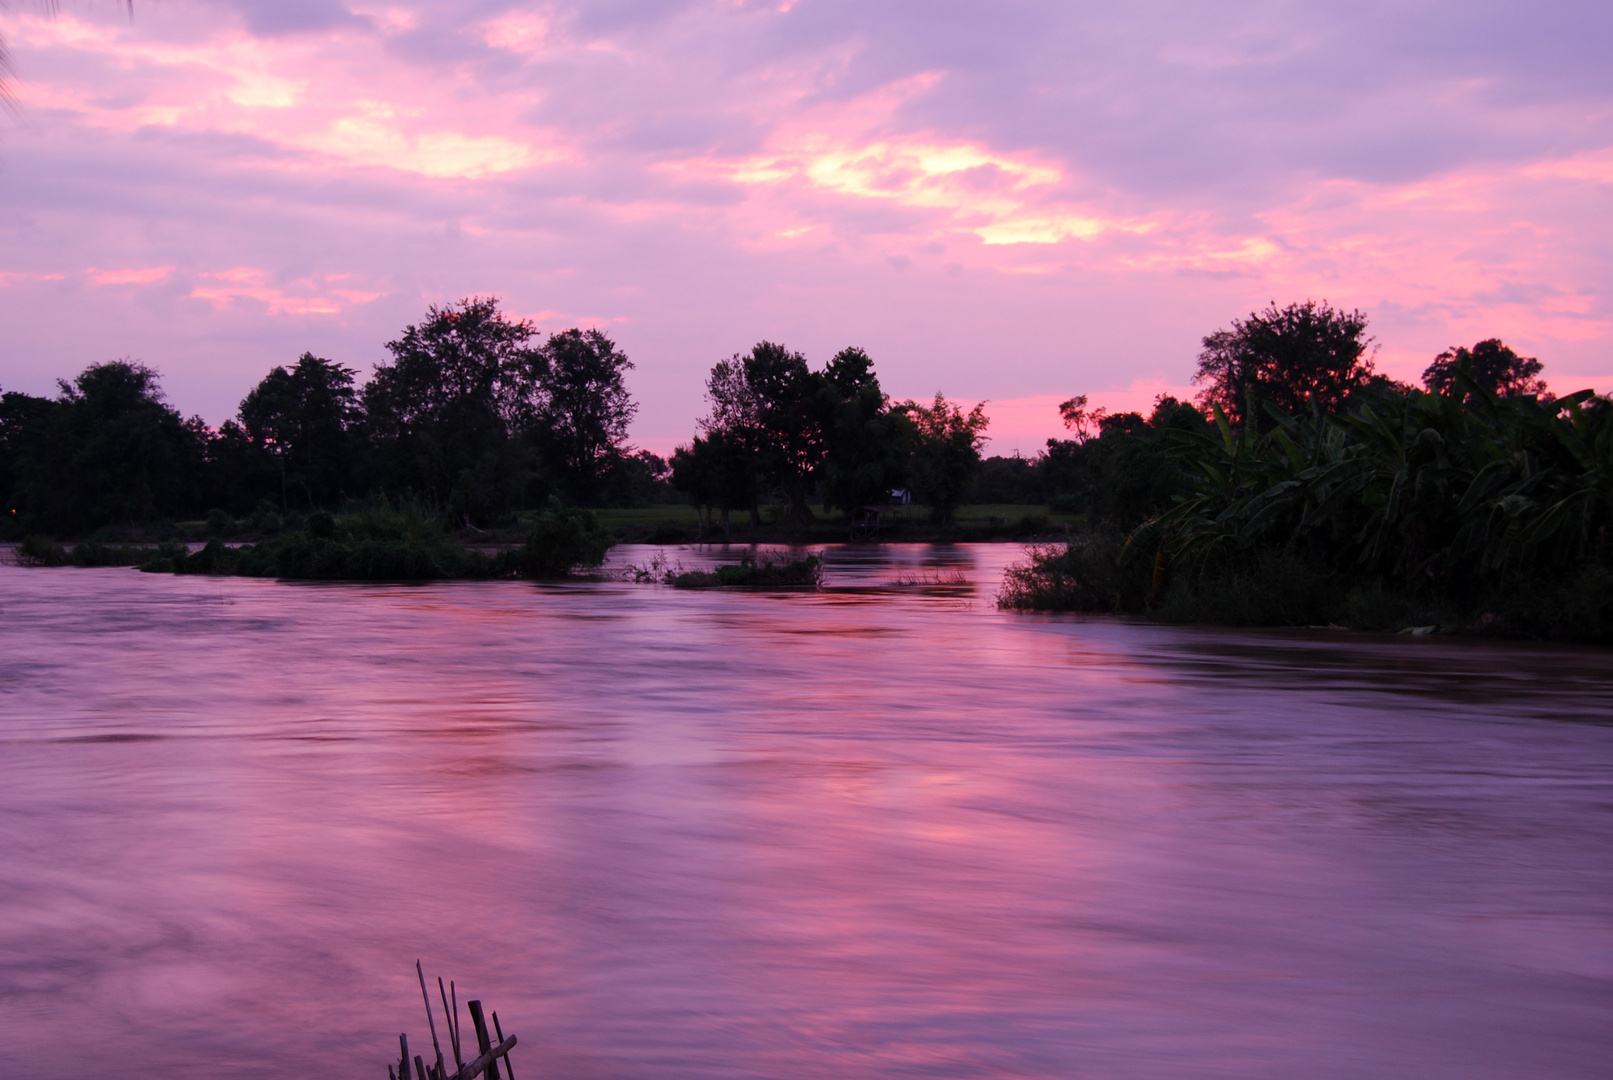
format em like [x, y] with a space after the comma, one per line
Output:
[1014, 202]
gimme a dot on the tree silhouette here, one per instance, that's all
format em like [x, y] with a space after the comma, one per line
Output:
[582, 409]
[1490, 364]
[1292, 357]
[946, 452]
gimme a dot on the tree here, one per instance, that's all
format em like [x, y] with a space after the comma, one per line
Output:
[946, 446]
[22, 419]
[446, 415]
[640, 478]
[1127, 471]
[1293, 357]
[767, 406]
[718, 471]
[1081, 419]
[1490, 364]
[862, 437]
[789, 421]
[108, 450]
[582, 409]
[303, 418]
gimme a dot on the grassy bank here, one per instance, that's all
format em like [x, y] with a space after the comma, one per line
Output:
[910, 524]
[379, 543]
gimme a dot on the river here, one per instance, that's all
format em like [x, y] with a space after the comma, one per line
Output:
[883, 830]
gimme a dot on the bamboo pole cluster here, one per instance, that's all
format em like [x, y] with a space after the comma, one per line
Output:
[484, 1065]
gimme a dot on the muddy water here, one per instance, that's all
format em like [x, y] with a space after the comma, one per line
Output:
[880, 831]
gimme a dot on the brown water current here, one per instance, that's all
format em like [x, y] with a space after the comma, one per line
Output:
[879, 831]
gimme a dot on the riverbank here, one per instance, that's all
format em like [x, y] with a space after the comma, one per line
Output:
[378, 543]
[663, 524]
[1096, 573]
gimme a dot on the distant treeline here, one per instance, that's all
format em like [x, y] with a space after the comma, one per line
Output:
[478, 418]
[472, 415]
[1312, 490]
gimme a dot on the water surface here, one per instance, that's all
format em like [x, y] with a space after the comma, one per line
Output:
[880, 831]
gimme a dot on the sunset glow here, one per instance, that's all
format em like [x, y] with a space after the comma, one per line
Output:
[1014, 208]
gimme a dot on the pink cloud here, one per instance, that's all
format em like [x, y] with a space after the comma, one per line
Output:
[225, 288]
[1046, 201]
[141, 276]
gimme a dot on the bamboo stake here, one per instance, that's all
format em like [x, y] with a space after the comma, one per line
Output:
[420, 1067]
[418, 970]
[502, 1050]
[499, 1031]
[403, 1063]
[453, 1033]
[483, 1042]
[459, 1039]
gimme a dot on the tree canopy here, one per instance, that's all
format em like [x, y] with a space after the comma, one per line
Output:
[581, 409]
[304, 418]
[109, 448]
[1492, 365]
[1296, 357]
[946, 452]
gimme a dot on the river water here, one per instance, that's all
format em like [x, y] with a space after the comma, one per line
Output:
[879, 831]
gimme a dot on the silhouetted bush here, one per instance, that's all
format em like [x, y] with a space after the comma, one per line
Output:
[40, 551]
[1083, 575]
[748, 573]
[559, 541]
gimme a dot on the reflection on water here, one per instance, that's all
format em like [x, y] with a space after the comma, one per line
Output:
[883, 830]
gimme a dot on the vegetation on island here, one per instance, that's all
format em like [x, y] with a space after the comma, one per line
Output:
[377, 543]
[751, 573]
[1313, 491]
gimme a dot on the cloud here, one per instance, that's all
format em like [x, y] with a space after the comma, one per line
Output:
[137, 276]
[273, 18]
[324, 296]
[1045, 199]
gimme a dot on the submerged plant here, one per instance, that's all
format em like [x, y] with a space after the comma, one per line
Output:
[750, 573]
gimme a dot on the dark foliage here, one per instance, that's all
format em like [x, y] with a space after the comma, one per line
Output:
[945, 452]
[776, 427]
[865, 441]
[445, 416]
[581, 411]
[560, 541]
[1298, 357]
[749, 573]
[640, 478]
[1460, 508]
[1490, 364]
[383, 542]
[719, 472]
[107, 450]
[468, 416]
[1009, 480]
[303, 420]
[1127, 471]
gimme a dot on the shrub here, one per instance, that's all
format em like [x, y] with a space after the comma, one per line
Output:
[40, 551]
[1083, 575]
[559, 541]
[748, 573]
